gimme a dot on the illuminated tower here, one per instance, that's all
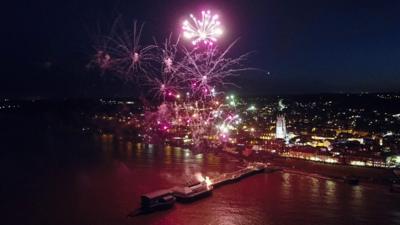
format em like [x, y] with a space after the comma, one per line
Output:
[280, 127]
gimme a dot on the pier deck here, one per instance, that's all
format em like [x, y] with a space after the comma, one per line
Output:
[250, 169]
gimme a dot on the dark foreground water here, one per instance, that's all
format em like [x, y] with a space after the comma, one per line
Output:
[60, 179]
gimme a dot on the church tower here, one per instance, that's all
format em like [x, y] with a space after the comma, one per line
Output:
[280, 127]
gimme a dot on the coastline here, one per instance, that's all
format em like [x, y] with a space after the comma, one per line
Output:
[339, 173]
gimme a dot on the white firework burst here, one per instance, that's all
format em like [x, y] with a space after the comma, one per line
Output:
[207, 29]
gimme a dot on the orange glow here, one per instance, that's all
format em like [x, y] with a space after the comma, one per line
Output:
[202, 179]
[208, 181]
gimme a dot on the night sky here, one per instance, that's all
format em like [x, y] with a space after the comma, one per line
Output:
[307, 46]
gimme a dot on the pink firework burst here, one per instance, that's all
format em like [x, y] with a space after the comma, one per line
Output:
[206, 30]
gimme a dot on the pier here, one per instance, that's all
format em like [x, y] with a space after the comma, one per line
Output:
[198, 190]
[250, 169]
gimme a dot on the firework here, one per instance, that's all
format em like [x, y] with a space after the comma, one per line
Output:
[165, 87]
[102, 58]
[187, 82]
[207, 29]
[131, 56]
[168, 52]
[207, 70]
[167, 83]
[122, 52]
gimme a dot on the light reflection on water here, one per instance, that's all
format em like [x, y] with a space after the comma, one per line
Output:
[107, 183]
[330, 191]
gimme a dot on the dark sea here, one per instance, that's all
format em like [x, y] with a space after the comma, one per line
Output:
[53, 177]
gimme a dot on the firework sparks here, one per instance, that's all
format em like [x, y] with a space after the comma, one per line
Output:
[166, 87]
[122, 52]
[189, 82]
[167, 83]
[168, 55]
[205, 70]
[131, 56]
[207, 29]
[103, 60]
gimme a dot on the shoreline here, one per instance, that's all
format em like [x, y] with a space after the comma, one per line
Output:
[334, 172]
